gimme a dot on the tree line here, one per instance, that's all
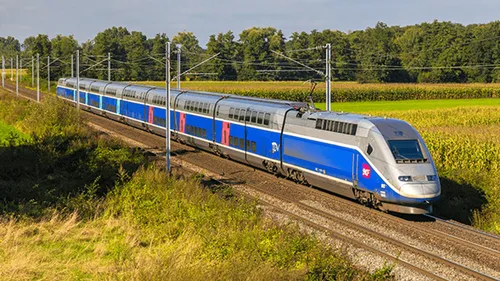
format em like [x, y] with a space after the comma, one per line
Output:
[437, 52]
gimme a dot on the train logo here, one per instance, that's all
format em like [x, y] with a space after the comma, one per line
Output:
[366, 171]
[276, 147]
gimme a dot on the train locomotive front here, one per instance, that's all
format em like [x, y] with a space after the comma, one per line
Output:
[379, 161]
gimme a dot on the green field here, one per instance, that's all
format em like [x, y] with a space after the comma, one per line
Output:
[361, 107]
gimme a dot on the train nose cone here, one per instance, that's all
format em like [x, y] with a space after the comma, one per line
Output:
[421, 189]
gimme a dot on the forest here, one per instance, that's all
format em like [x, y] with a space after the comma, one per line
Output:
[437, 52]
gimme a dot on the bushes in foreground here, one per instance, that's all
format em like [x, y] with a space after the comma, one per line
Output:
[76, 205]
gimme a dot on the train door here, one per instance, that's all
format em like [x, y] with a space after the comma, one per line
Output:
[182, 122]
[247, 142]
[226, 126]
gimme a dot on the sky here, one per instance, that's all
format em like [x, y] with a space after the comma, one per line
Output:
[85, 18]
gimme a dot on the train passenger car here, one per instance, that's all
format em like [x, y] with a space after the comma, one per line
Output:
[378, 161]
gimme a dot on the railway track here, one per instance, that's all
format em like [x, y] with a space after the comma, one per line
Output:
[322, 218]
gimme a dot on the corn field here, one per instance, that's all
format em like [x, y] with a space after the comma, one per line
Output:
[341, 91]
[465, 145]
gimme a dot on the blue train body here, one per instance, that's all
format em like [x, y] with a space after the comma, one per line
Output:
[382, 162]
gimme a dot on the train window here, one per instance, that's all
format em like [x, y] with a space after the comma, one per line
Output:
[354, 129]
[259, 117]
[186, 105]
[254, 146]
[242, 115]
[247, 145]
[347, 128]
[267, 117]
[231, 113]
[369, 150]
[319, 123]
[204, 133]
[206, 108]
[332, 125]
[242, 143]
[235, 141]
[230, 139]
[237, 113]
[254, 117]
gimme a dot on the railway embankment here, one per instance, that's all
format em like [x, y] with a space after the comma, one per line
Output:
[76, 204]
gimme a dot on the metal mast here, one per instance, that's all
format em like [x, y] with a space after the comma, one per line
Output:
[78, 79]
[109, 66]
[167, 107]
[17, 75]
[328, 76]
[179, 46]
[38, 77]
[48, 74]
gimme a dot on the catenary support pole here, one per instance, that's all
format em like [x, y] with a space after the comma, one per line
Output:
[328, 76]
[11, 68]
[179, 47]
[167, 107]
[109, 66]
[32, 71]
[17, 75]
[48, 74]
[38, 77]
[3, 72]
[72, 59]
[78, 79]
[21, 69]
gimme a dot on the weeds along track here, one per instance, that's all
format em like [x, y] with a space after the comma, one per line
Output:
[428, 248]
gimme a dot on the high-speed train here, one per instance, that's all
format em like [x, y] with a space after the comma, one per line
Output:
[381, 162]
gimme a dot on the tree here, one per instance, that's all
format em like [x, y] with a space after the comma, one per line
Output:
[9, 47]
[62, 49]
[157, 47]
[137, 56]
[191, 52]
[111, 41]
[377, 56]
[223, 64]
[256, 49]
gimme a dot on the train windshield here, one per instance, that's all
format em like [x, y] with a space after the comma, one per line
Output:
[405, 149]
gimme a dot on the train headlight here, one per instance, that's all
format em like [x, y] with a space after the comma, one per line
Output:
[405, 178]
[432, 178]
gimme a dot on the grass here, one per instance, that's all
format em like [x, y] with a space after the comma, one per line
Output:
[77, 205]
[10, 136]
